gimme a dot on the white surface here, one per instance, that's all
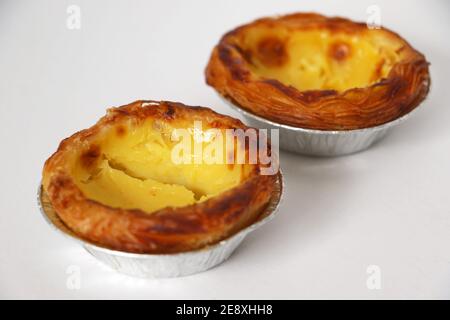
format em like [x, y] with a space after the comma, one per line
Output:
[388, 206]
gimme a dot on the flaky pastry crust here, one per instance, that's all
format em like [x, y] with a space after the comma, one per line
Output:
[167, 230]
[231, 71]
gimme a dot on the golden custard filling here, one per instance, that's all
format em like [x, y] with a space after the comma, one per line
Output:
[318, 59]
[132, 167]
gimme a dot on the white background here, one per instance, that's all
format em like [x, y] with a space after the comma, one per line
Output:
[388, 206]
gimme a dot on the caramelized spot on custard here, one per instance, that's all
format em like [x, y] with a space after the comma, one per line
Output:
[271, 51]
[121, 131]
[90, 156]
[339, 51]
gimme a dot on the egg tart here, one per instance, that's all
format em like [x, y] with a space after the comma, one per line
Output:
[117, 185]
[314, 72]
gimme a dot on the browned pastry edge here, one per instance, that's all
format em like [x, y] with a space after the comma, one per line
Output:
[167, 230]
[405, 87]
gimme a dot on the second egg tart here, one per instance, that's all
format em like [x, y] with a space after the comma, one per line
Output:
[315, 72]
[116, 184]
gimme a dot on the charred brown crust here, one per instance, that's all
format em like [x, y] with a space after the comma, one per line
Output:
[167, 230]
[405, 87]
